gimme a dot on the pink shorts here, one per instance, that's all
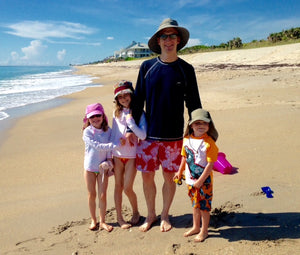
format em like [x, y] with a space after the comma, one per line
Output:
[151, 154]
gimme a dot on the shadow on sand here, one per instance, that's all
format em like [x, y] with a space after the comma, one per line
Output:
[236, 226]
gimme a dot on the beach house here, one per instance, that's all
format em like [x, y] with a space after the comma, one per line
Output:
[134, 50]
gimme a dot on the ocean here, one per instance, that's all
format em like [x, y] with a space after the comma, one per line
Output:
[24, 86]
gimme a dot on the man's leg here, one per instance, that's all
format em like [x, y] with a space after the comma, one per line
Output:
[168, 191]
[150, 194]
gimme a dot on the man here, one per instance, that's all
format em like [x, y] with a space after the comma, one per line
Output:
[164, 84]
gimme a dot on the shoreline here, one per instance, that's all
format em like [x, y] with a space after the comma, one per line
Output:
[17, 113]
[43, 208]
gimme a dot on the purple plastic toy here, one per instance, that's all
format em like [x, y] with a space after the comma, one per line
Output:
[222, 165]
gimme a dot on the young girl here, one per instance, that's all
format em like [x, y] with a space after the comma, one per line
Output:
[97, 161]
[124, 156]
[199, 152]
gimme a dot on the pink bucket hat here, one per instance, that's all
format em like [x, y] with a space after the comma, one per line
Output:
[94, 109]
[123, 87]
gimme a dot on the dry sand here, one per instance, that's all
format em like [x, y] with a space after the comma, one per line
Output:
[253, 96]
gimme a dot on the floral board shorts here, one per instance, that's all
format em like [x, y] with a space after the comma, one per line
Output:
[151, 154]
[201, 198]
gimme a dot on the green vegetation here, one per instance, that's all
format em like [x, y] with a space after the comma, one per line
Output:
[291, 34]
[285, 37]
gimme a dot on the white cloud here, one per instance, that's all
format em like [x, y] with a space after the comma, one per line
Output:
[193, 42]
[45, 30]
[34, 50]
[32, 54]
[14, 56]
[110, 38]
[61, 54]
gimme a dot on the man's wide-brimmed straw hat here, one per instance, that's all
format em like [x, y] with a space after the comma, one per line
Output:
[201, 114]
[168, 23]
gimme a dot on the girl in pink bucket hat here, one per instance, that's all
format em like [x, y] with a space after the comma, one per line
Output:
[97, 161]
[124, 156]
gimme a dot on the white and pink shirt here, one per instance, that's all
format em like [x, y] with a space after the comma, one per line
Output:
[119, 129]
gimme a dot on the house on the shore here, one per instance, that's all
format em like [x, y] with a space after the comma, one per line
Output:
[134, 50]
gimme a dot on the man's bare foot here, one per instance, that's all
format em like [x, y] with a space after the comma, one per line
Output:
[200, 237]
[191, 232]
[165, 225]
[94, 226]
[135, 219]
[147, 224]
[123, 224]
[106, 227]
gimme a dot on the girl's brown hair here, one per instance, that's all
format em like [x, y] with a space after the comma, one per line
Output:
[104, 125]
[188, 131]
[119, 107]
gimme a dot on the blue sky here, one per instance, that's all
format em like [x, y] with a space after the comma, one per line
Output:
[63, 32]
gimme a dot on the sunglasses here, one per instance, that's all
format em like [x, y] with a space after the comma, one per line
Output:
[165, 37]
[97, 115]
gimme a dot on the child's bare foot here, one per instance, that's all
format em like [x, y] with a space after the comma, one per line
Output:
[165, 225]
[147, 224]
[200, 237]
[135, 219]
[123, 224]
[106, 227]
[93, 226]
[191, 232]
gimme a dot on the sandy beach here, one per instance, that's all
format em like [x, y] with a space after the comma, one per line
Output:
[254, 98]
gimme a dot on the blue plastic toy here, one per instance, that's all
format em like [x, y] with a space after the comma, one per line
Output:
[267, 190]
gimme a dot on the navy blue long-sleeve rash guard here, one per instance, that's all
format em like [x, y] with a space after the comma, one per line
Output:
[164, 87]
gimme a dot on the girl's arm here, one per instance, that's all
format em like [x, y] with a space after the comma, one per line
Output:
[90, 141]
[181, 169]
[141, 130]
[204, 175]
[98, 145]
